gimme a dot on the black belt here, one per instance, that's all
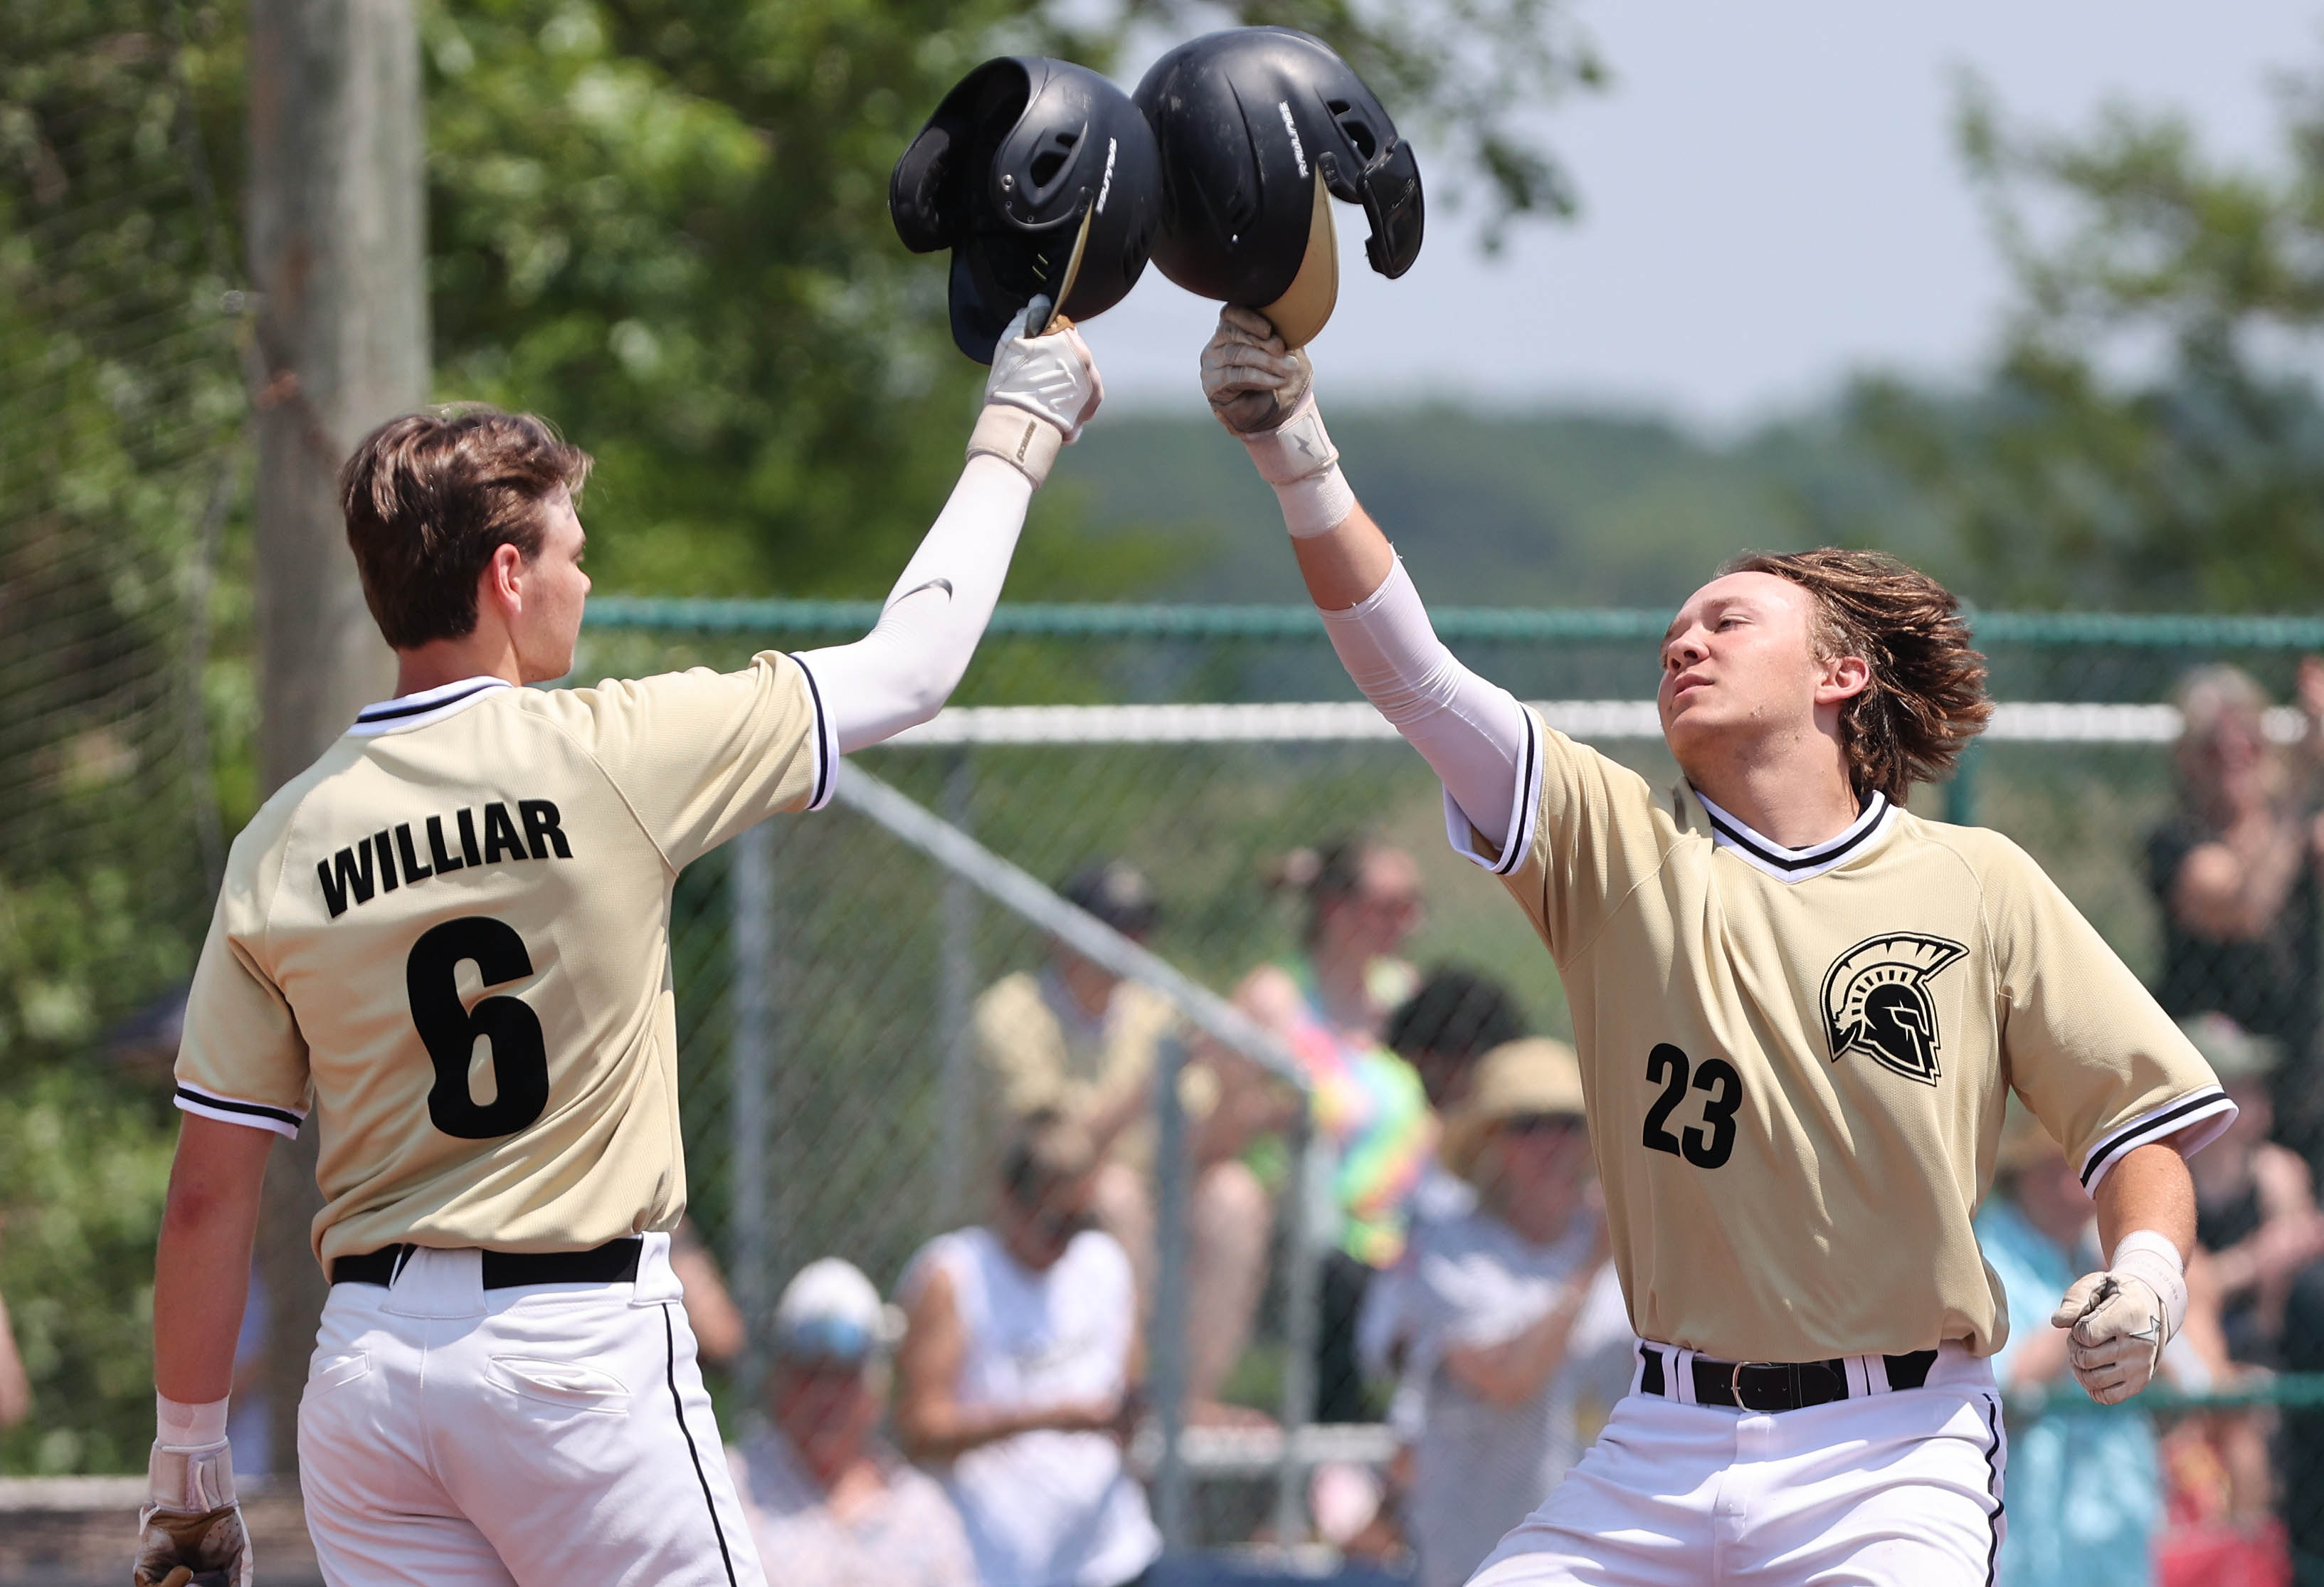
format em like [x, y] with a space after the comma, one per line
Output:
[614, 1262]
[1778, 1386]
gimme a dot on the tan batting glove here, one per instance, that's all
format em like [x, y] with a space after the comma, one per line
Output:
[2123, 1318]
[190, 1532]
[1253, 383]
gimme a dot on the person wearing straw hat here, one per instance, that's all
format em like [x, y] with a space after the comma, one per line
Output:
[829, 1503]
[1510, 1322]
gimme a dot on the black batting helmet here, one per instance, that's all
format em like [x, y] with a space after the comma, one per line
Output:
[1255, 127]
[1041, 178]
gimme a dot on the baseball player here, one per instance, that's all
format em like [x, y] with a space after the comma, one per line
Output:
[1800, 1010]
[448, 939]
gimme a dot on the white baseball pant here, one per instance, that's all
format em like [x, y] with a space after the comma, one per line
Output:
[552, 1436]
[1883, 1489]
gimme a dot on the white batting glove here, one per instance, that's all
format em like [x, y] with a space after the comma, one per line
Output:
[1042, 389]
[1252, 382]
[2123, 1317]
[189, 1533]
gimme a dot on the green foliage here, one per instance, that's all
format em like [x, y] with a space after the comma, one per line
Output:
[117, 397]
[1546, 509]
[83, 1168]
[664, 223]
[2150, 435]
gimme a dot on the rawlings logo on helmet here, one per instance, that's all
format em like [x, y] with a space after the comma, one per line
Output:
[1876, 1001]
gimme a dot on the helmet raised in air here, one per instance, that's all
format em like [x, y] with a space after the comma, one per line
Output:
[1256, 127]
[1042, 178]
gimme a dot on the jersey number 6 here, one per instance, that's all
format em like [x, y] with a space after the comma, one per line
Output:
[450, 1029]
[1705, 1147]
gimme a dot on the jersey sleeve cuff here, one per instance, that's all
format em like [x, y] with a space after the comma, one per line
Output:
[1461, 833]
[2199, 1118]
[827, 742]
[226, 1110]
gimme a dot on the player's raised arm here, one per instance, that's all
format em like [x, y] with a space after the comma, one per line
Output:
[1472, 731]
[1043, 389]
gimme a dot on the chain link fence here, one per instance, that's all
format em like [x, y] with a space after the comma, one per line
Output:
[121, 402]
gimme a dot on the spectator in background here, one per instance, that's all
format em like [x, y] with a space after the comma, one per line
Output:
[1330, 1004]
[830, 1504]
[1454, 1019]
[1018, 1356]
[2235, 868]
[719, 1334]
[1076, 1041]
[2085, 1484]
[1514, 1339]
[15, 1388]
[2256, 1216]
[1442, 1030]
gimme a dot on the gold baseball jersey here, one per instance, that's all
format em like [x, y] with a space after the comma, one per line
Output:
[1796, 1061]
[452, 933]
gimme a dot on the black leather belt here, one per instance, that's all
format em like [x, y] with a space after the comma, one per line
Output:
[1777, 1386]
[614, 1262]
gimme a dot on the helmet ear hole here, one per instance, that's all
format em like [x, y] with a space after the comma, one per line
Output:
[1358, 130]
[1056, 151]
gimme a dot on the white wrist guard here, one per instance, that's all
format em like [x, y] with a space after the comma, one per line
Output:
[189, 1482]
[1018, 438]
[1299, 459]
[2144, 1254]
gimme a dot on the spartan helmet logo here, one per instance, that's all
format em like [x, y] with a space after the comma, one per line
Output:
[1875, 1001]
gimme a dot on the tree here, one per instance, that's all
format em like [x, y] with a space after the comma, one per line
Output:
[2151, 434]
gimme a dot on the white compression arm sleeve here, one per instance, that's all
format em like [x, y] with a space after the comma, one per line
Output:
[1472, 731]
[900, 674]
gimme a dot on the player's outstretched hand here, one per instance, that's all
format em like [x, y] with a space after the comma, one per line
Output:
[1051, 377]
[1042, 389]
[1254, 384]
[2120, 1325]
[190, 1532]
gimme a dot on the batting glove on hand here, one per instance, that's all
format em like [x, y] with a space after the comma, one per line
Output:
[1252, 382]
[190, 1532]
[2122, 1318]
[1042, 389]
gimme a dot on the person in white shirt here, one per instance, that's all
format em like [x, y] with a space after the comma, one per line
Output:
[1019, 1354]
[1507, 1317]
[829, 1503]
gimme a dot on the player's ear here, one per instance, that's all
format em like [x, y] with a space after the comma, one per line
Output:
[1843, 678]
[499, 582]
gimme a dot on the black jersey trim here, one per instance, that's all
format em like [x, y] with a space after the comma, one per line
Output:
[694, 1451]
[826, 741]
[228, 1110]
[1528, 799]
[2167, 1119]
[391, 711]
[1822, 856]
[1990, 1408]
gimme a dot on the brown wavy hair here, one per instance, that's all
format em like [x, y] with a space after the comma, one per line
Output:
[429, 497]
[1926, 699]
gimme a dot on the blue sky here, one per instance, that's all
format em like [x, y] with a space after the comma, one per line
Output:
[1771, 197]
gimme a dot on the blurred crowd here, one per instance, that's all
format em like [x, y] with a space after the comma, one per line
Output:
[977, 1428]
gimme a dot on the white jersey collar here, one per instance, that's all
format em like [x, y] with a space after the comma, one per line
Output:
[427, 706]
[1763, 853]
